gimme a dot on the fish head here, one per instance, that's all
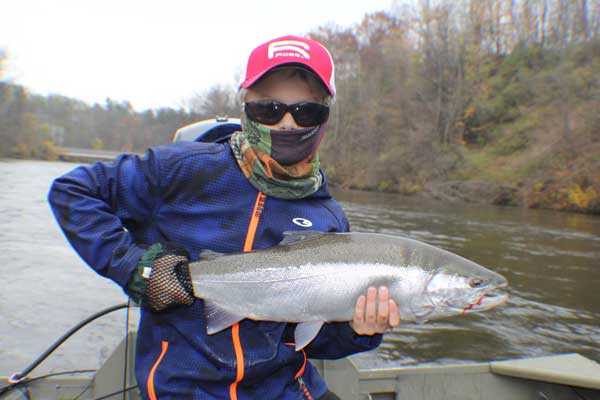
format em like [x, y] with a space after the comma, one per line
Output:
[446, 291]
[442, 283]
[452, 293]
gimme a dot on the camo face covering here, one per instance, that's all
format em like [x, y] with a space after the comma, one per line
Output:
[279, 163]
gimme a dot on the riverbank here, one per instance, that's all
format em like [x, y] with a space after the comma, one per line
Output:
[562, 175]
[520, 128]
[573, 188]
[581, 195]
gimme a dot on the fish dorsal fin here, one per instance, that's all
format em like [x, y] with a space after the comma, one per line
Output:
[208, 255]
[305, 333]
[217, 318]
[294, 237]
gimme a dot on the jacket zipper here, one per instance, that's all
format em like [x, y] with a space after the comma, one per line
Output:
[300, 373]
[235, 329]
[150, 382]
[304, 389]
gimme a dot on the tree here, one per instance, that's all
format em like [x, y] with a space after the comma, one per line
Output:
[218, 100]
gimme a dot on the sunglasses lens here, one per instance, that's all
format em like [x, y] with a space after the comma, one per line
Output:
[310, 114]
[271, 112]
[265, 112]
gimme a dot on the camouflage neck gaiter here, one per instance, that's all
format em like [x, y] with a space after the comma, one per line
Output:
[279, 163]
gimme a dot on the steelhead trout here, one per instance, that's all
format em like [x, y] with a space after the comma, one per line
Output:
[313, 277]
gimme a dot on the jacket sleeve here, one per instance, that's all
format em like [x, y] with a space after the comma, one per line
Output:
[93, 204]
[338, 339]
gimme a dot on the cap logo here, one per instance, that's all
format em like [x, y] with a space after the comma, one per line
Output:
[288, 48]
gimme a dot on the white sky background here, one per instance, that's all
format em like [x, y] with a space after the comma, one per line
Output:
[152, 53]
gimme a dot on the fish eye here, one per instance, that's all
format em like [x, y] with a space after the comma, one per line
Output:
[476, 282]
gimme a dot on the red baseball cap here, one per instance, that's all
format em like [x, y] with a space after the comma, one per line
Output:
[291, 49]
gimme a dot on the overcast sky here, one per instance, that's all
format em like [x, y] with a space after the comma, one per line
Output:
[152, 53]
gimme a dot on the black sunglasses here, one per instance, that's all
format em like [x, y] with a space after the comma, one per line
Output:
[270, 112]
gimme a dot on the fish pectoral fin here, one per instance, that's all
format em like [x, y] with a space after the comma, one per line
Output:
[217, 318]
[305, 333]
[294, 237]
[423, 317]
[422, 308]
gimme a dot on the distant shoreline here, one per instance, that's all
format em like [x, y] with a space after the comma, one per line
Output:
[461, 192]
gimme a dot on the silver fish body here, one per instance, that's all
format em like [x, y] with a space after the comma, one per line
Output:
[314, 277]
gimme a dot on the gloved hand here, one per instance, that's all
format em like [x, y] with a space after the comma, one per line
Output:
[162, 278]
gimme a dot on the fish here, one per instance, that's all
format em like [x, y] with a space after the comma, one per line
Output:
[311, 278]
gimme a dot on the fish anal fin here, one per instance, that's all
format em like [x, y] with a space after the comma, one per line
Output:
[294, 237]
[217, 318]
[305, 333]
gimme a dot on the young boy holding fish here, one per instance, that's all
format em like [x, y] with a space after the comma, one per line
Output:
[140, 220]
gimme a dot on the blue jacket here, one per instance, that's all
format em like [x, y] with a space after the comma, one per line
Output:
[195, 195]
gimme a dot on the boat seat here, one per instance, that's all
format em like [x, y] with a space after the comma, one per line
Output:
[566, 369]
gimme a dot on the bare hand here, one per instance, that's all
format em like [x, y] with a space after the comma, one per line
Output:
[375, 312]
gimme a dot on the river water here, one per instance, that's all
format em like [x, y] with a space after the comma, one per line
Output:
[552, 261]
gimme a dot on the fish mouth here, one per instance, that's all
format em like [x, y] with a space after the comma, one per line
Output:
[487, 299]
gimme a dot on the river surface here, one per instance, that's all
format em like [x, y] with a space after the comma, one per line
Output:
[552, 261]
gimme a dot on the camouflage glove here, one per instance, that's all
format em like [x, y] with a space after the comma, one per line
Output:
[162, 278]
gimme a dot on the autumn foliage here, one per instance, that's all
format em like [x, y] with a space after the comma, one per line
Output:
[472, 100]
[477, 100]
